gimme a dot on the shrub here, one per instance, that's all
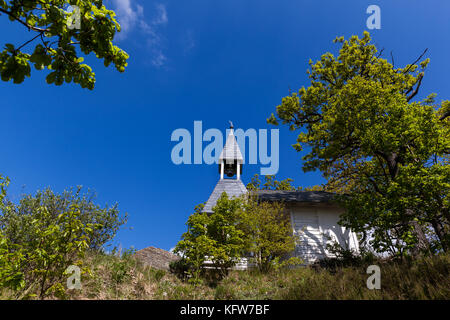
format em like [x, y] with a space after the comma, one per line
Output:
[45, 234]
[52, 246]
[180, 268]
[15, 221]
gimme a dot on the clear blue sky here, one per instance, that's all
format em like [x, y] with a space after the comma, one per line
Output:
[190, 60]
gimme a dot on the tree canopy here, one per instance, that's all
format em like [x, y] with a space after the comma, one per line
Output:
[373, 142]
[62, 34]
[271, 183]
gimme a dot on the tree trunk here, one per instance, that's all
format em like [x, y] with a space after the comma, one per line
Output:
[422, 244]
[440, 232]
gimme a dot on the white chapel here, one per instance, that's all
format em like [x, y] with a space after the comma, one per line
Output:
[314, 214]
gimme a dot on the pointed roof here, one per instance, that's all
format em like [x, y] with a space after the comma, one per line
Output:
[231, 150]
[233, 188]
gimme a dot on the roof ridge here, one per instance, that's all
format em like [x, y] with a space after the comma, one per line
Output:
[231, 150]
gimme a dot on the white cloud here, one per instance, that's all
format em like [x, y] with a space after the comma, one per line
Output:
[159, 59]
[132, 19]
[127, 16]
[161, 17]
[188, 41]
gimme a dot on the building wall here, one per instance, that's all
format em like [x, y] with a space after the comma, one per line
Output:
[316, 226]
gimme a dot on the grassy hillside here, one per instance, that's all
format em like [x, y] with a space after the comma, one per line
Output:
[115, 277]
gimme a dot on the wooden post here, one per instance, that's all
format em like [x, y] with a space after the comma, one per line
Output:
[238, 171]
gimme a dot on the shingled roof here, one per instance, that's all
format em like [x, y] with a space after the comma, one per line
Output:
[295, 196]
[231, 150]
[233, 188]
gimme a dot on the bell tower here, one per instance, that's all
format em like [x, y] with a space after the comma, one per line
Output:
[231, 160]
[230, 170]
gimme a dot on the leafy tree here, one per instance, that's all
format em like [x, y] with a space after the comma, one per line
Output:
[270, 183]
[225, 227]
[269, 229]
[61, 41]
[388, 153]
[237, 227]
[218, 237]
[195, 245]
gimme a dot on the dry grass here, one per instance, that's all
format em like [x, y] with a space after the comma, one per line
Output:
[428, 278]
[124, 277]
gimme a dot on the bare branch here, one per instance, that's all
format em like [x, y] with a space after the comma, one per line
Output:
[420, 57]
[392, 59]
[39, 34]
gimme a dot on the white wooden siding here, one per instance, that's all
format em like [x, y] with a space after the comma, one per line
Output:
[306, 226]
[316, 227]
